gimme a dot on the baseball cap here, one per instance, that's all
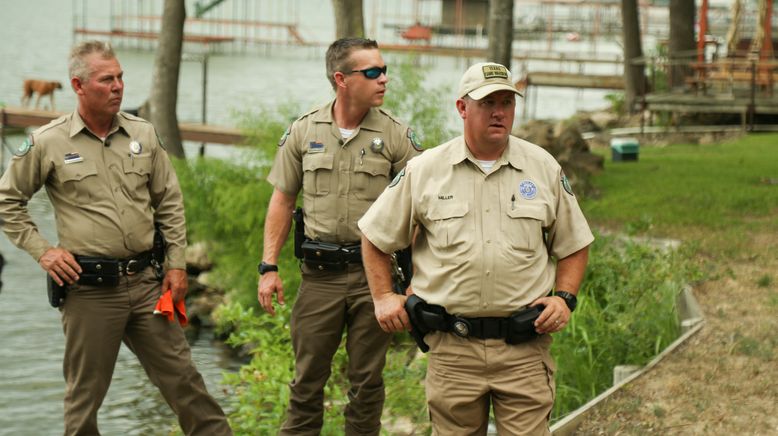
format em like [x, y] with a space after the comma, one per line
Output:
[485, 78]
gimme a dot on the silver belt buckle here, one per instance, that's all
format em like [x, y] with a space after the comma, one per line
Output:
[461, 328]
[130, 268]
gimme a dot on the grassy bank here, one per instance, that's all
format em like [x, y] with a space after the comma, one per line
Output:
[704, 194]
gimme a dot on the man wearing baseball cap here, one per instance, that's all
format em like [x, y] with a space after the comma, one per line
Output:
[500, 251]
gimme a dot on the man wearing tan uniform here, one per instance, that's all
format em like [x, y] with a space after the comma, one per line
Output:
[109, 181]
[341, 156]
[491, 213]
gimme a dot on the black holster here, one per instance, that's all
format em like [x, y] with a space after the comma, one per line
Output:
[56, 292]
[158, 252]
[299, 232]
[402, 270]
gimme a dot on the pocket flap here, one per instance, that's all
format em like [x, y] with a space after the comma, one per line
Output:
[374, 168]
[536, 212]
[446, 211]
[313, 162]
[137, 165]
[77, 171]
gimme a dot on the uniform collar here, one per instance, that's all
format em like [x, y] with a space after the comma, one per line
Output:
[513, 154]
[372, 121]
[77, 125]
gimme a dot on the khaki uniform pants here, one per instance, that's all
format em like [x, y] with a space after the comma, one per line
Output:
[326, 303]
[96, 320]
[465, 375]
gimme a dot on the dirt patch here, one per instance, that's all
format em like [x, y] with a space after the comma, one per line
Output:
[724, 380]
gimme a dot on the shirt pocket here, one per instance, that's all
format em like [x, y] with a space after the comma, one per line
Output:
[78, 179]
[523, 227]
[370, 179]
[137, 173]
[317, 174]
[451, 232]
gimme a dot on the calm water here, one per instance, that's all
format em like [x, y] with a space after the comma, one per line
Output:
[35, 44]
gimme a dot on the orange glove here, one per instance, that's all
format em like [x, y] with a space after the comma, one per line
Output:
[166, 308]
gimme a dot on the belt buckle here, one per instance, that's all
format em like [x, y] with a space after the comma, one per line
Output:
[461, 328]
[130, 268]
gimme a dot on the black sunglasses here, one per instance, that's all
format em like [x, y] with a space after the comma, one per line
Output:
[371, 73]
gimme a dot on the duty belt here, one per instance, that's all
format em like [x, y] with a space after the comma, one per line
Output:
[102, 271]
[426, 318]
[327, 256]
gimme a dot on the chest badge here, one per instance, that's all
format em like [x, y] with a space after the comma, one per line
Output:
[377, 145]
[528, 190]
[135, 147]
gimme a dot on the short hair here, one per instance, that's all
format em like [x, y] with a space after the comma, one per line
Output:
[338, 55]
[77, 65]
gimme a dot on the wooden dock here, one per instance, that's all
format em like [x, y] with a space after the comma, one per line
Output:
[571, 80]
[744, 106]
[15, 117]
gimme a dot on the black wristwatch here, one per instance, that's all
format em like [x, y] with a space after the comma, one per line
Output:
[266, 267]
[570, 299]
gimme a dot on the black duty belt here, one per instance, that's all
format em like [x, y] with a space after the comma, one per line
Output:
[326, 256]
[426, 318]
[102, 271]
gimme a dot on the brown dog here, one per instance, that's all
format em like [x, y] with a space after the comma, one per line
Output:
[41, 87]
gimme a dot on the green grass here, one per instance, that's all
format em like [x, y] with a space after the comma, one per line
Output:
[710, 193]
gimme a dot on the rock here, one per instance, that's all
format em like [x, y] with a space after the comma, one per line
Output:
[604, 120]
[570, 139]
[537, 132]
[197, 258]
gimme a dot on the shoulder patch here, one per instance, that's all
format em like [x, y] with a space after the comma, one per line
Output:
[25, 147]
[284, 136]
[397, 178]
[414, 139]
[159, 139]
[566, 185]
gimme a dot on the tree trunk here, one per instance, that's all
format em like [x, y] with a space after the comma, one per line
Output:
[682, 46]
[634, 75]
[349, 20]
[500, 32]
[164, 87]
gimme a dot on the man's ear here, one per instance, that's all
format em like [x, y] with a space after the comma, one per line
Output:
[76, 84]
[461, 108]
[340, 79]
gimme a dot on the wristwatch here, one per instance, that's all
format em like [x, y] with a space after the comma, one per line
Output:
[570, 299]
[266, 267]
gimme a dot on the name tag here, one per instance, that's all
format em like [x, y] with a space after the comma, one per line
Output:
[73, 158]
[315, 147]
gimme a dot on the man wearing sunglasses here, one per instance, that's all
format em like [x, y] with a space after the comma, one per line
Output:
[341, 156]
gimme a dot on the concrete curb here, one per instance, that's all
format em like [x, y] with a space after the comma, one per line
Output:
[692, 320]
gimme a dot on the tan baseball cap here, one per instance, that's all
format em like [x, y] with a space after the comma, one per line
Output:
[485, 78]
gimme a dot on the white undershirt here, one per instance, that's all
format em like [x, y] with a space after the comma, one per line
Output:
[346, 133]
[486, 164]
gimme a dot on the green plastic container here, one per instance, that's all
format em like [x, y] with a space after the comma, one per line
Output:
[625, 149]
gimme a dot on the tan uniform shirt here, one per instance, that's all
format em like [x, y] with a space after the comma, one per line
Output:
[339, 178]
[480, 249]
[106, 195]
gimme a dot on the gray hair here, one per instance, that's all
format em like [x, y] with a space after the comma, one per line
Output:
[339, 52]
[77, 65]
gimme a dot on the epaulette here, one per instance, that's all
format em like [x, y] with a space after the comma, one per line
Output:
[131, 117]
[307, 114]
[389, 114]
[52, 124]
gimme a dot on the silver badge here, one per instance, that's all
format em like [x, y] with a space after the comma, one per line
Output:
[135, 147]
[377, 145]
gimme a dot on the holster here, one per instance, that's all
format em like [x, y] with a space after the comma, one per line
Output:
[414, 306]
[299, 232]
[158, 251]
[56, 293]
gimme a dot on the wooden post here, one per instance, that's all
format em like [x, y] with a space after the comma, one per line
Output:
[703, 31]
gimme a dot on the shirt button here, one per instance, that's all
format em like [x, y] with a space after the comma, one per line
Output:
[342, 219]
[486, 304]
[488, 210]
[340, 142]
[488, 241]
[488, 272]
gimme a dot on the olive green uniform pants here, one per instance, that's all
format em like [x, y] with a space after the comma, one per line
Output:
[328, 302]
[467, 376]
[96, 320]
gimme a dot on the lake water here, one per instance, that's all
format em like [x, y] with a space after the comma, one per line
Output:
[35, 37]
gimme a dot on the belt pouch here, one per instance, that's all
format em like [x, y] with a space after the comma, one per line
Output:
[323, 256]
[521, 325]
[98, 272]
